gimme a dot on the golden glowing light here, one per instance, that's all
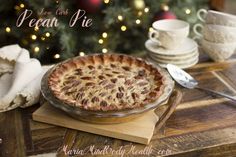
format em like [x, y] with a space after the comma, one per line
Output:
[120, 17]
[187, 11]
[139, 4]
[36, 28]
[146, 10]
[47, 34]
[151, 29]
[104, 50]
[81, 53]
[165, 7]
[140, 13]
[22, 5]
[36, 49]
[104, 35]
[106, 1]
[138, 21]
[42, 38]
[100, 41]
[33, 37]
[57, 56]
[8, 29]
[123, 28]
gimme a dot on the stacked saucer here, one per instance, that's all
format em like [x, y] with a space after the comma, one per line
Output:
[169, 44]
[184, 56]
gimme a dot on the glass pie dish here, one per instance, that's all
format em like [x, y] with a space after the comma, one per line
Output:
[105, 116]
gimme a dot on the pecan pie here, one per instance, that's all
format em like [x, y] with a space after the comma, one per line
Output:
[106, 82]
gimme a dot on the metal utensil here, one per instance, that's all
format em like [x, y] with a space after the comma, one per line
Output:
[187, 81]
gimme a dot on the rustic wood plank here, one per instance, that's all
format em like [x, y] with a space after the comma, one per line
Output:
[201, 119]
[204, 78]
[40, 138]
[19, 134]
[11, 134]
[229, 75]
[199, 140]
[212, 66]
[69, 140]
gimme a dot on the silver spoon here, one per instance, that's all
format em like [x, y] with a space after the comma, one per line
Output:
[187, 81]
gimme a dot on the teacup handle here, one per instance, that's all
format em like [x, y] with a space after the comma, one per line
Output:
[197, 39]
[153, 35]
[201, 14]
[196, 28]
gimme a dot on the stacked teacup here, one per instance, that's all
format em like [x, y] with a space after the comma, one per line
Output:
[217, 35]
[169, 44]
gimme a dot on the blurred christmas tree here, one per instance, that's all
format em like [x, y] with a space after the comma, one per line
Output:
[118, 25]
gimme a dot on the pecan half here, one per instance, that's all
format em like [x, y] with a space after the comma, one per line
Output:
[75, 83]
[101, 77]
[126, 68]
[109, 86]
[102, 94]
[143, 83]
[78, 72]
[121, 89]
[129, 82]
[84, 102]
[121, 76]
[114, 80]
[103, 82]
[152, 94]
[115, 72]
[65, 88]
[103, 103]
[89, 84]
[119, 95]
[99, 67]
[90, 67]
[135, 96]
[82, 89]
[142, 73]
[113, 65]
[80, 95]
[86, 78]
[109, 75]
[95, 99]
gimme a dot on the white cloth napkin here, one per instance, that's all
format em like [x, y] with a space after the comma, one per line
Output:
[20, 78]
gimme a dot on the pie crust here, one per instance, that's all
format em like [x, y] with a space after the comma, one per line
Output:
[107, 82]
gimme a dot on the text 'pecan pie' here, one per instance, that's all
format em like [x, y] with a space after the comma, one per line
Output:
[106, 82]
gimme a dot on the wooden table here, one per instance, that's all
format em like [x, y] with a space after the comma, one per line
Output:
[202, 125]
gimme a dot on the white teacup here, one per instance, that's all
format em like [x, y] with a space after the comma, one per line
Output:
[216, 17]
[217, 51]
[169, 33]
[215, 33]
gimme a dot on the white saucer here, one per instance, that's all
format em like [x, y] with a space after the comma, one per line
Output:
[188, 46]
[176, 61]
[177, 57]
[182, 66]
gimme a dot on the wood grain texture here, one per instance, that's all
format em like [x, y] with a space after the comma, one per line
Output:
[202, 125]
[139, 130]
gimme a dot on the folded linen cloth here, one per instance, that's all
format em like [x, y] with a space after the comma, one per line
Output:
[20, 78]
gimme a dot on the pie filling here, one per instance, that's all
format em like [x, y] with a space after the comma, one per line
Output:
[108, 85]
